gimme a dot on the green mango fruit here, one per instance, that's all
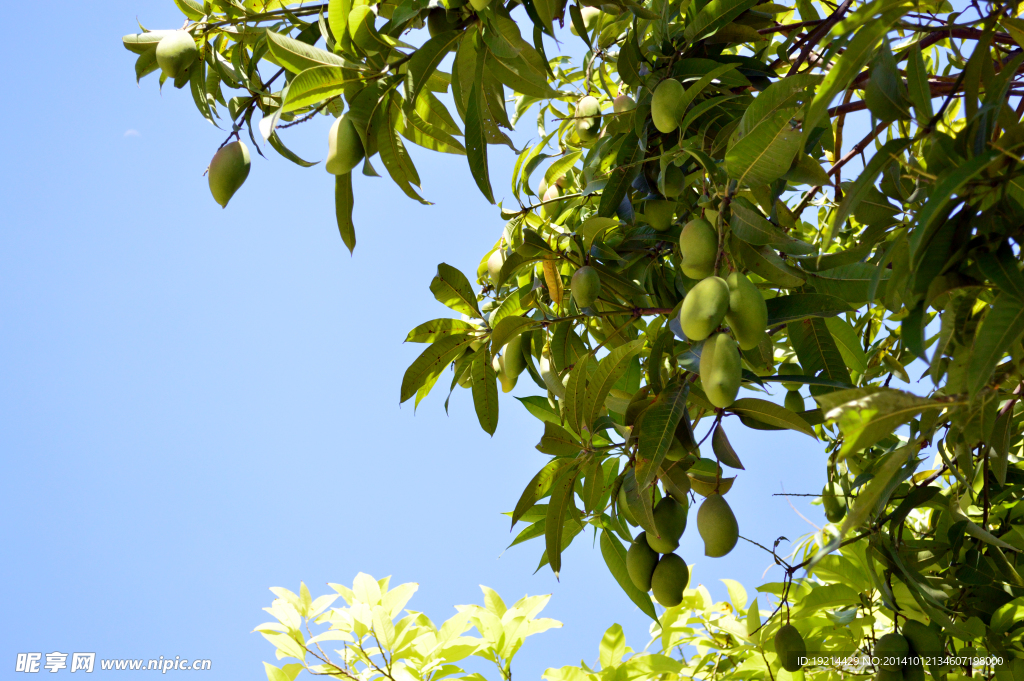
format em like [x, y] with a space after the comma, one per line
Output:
[659, 214]
[893, 646]
[440, 20]
[494, 263]
[344, 148]
[698, 247]
[673, 181]
[553, 209]
[515, 360]
[176, 52]
[720, 370]
[623, 103]
[835, 506]
[794, 401]
[228, 170]
[507, 380]
[788, 368]
[671, 575]
[665, 105]
[888, 675]
[479, 5]
[586, 286]
[748, 313]
[670, 521]
[704, 308]
[641, 560]
[717, 526]
[588, 119]
[790, 646]
[677, 483]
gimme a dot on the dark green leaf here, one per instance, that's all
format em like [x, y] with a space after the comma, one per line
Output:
[1002, 327]
[771, 414]
[485, 392]
[476, 143]
[659, 427]
[797, 306]
[562, 498]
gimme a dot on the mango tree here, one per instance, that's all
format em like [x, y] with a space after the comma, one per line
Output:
[683, 236]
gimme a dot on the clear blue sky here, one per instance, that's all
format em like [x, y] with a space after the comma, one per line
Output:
[197, 404]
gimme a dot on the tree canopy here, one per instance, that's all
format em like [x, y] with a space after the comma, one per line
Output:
[693, 228]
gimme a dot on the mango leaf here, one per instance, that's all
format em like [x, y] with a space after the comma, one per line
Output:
[557, 441]
[1003, 268]
[432, 362]
[858, 53]
[750, 225]
[614, 554]
[428, 332]
[426, 60]
[848, 342]
[540, 486]
[560, 166]
[945, 187]
[476, 143]
[867, 501]
[797, 306]
[772, 414]
[592, 227]
[817, 350]
[574, 402]
[315, 85]
[395, 157]
[554, 525]
[452, 288]
[852, 283]
[659, 427]
[485, 392]
[766, 263]
[622, 175]
[297, 56]
[765, 153]
[419, 131]
[609, 370]
[639, 503]
[867, 415]
[918, 90]
[713, 16]
[1002, 327]
[864, 185]
[343, 202]
[507, 329]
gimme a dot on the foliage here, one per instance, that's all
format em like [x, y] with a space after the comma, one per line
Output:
[912, 263]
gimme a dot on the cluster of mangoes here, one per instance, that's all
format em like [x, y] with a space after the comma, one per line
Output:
[651, 562]
[734, 300]
[917, 640]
